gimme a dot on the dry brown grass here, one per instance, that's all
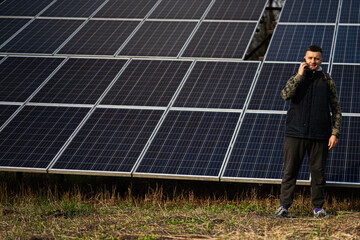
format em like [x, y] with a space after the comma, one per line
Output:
[48, 212]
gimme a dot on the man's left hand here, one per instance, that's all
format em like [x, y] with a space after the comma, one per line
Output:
[333, 141]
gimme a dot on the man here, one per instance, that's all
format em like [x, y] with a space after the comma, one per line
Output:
[309, 129]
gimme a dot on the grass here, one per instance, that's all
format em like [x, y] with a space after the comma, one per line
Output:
[77, 210]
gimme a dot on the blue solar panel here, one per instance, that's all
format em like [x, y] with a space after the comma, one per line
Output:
[220, 40]
[346, 78]
[347, 49]
[36, 134]
[290, 41]
[180, 9]
[310, 11]
[126, 9]
[258, 149]
[147, 83]
[42, 36]
[190, 144]
[80, 81]
[9, 26]
[350, 11]
[111, 140]
[236, 10]
[159, 39]
[5, 112]
[343, 163]
[217, 85]
[272, 79]
[100, 38]
[21, 76]
[70, 8]
[23, 7]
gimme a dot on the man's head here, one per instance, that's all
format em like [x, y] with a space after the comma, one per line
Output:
[313, 57]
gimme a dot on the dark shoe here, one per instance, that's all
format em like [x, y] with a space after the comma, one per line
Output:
[281, 212]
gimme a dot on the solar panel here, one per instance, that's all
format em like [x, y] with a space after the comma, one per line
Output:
[21, 76]
[343, 164]
[220, 40]
[346, 78]
[110, 141]
[42, 36]
[5, 112]
[159, 39]
[100, 38]
[36, 134]
[70, 8]
[23, 7]
[310, 11]
[147, 83]
[190, 144]
[9, 26]
[258, 150]
[217, 85]
[236, 10]
[79, 81]
[272, 79]
[347, 49]
[290, 41]
[180, 9]
[350, 11]
[126, 9]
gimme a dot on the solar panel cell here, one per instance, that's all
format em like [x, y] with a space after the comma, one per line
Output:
[126, 9]
[147, 83]
[350, 11]
[100, 38]
[290, 41]
[80, 81]
[9, 26]
[111, 140]
[42, 36]
[346, 78]
[217, 85]
[193, 144]
[36, 134]
[159, 39]
[236, 10]
[220, 40]
[347, 49]
[21, 76]
[23, 7]
[343, 161]
[180, 9]
[70, 8]
[5, 112]
[310, 11]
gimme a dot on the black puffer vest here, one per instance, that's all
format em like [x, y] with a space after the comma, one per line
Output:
[309, 113]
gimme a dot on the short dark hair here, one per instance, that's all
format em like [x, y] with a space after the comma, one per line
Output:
[314, 48]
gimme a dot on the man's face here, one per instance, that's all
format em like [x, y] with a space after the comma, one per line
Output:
[313, 59]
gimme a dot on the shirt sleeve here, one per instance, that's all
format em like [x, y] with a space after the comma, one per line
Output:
[335, 108]
[289, 91]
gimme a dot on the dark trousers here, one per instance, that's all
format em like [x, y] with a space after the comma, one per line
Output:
[294, 152]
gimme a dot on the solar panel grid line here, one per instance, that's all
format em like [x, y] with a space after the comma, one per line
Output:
[91, 111]
[70, 37]
[63, 18]
[229, 21]
[195, 29]
[197, 109]
[131, 107]
[32, 95]
[74, 105]
[46, 8]
[142, 154]
[11, 103]
[16, 33]
[16, 17]
[332, 52]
